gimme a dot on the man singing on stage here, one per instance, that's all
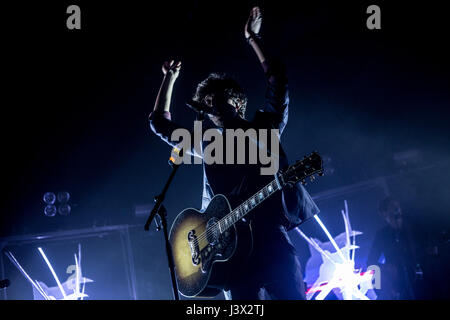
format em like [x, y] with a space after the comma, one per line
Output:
[272, 264]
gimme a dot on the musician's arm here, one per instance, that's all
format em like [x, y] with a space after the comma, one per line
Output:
[277, 98]
[258, 49]
[277, 94]
[160, 118]
[171, 71]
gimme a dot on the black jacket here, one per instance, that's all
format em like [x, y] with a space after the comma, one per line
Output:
[284, 210]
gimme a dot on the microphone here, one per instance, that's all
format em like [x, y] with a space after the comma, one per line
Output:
[201, 108]
[4, 283]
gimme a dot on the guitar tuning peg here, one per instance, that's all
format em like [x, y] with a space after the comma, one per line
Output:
[304, 182]
[312, 178]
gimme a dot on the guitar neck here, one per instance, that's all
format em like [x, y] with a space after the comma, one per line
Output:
[237, 214]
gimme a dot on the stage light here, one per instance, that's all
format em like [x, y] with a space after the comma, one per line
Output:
[50, 210]
[63, 197]
[337, 271]
[72, 289]
[52, 271]
[64, 209]
[49, 198]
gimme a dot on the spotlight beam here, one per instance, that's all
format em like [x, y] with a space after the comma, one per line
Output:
[350, 283]
[23, 272]
[53, 272]
[47, 297]
[330, 237]
[315, 246]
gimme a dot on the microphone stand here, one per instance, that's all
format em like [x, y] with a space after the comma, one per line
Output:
[160, 210]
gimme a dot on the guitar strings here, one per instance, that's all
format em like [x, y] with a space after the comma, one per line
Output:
[209, 231]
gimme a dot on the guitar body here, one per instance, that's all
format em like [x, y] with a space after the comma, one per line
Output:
[196, 253]
[210, 247]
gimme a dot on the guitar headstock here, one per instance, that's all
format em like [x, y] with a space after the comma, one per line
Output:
[309, 166]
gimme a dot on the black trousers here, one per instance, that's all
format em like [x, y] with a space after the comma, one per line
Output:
[272, 272]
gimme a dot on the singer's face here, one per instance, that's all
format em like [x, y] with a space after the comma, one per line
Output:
[216, 119]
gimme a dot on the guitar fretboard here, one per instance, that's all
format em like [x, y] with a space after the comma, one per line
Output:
[238, 213]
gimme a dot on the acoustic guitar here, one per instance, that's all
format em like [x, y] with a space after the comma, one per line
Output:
[203, 243]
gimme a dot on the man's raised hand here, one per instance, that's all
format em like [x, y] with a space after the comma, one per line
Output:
[171, 69]
[254, 22]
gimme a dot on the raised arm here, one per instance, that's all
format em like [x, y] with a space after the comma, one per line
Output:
[160, 118]
[277, 98]
[171, 70]
[252, 28]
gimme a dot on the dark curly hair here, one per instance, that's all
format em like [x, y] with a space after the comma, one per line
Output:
[223, 84]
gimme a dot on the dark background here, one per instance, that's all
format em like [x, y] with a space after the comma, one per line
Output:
[75, 105]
